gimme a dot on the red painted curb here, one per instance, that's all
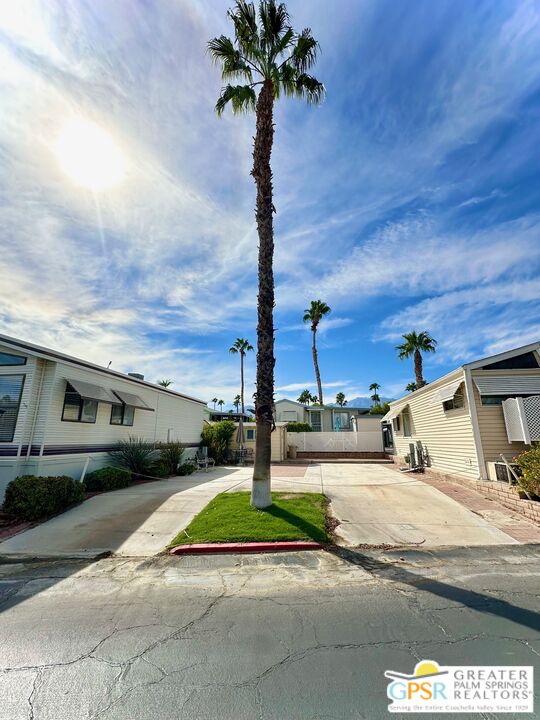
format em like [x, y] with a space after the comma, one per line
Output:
[248, 547]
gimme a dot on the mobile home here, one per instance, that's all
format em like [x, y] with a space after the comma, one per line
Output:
[60, 414]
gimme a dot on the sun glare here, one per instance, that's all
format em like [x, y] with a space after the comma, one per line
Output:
[89, 156]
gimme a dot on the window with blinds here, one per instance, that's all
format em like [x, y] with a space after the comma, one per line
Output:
[11, 387]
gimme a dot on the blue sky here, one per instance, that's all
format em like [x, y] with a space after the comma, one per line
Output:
[409, 199]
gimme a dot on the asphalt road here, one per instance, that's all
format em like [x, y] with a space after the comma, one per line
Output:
[289, 637]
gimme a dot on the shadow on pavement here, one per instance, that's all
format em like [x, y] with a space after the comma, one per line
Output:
[469, 598]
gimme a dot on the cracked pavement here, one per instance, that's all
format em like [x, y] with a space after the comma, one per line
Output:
[269, 637]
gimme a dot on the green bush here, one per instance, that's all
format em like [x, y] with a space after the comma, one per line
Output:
[159, 470]
[171, 456]
[529, 462]
[31, 497]
[299, 427]
[217, 438]
[379, 409]
[134, 454]
[186, 469]
[107, 478]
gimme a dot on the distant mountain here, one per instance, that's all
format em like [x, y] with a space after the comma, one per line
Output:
[363, 401]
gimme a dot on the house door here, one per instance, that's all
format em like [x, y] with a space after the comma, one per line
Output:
[315, 417]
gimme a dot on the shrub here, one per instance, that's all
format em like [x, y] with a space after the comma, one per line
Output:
[171, 456]
[107, 478]
[159, 470]
[31, 497]
[217, 437]
[134, 454]
[186, 469]
[379, 409]
[529, 462]
[299, 427]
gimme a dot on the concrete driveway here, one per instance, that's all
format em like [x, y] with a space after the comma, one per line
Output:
[374, 505]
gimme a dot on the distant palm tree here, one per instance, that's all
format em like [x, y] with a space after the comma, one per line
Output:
[315, 400]
[374, 387]
[221, 403]
[411, 387]
[304, 397]
[314, 314]
[165, 383]
[214, 400]
[237, 402]
[241, 347]
[340, 399]
[270, 58]
[415, 344]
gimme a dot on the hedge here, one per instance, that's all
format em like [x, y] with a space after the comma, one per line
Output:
[107, 478]
[31, 497]
[299, 427]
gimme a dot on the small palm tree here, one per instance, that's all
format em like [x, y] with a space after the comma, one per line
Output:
[374, 388]
[236, 403]
[221, 403]
[315, 400]
[214, 400]
[165, 383]
[411, 387]
[304, 397]
[269, 58]
[314, 314]
[415, 344]
[241, 347]
[340, 399]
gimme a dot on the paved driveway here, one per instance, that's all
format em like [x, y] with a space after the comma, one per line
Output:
[374, 505]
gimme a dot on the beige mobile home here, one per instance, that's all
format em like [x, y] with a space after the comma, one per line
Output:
[467, 419]
[58, 412]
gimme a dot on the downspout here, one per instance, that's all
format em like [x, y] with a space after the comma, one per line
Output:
[36, 410]
[475, 426]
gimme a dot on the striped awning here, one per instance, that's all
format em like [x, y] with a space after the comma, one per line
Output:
[446, 393]
[132, 400]
[92, 392]
[394, 412]
[508, 384]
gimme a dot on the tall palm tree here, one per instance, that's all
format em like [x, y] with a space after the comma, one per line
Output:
[237, 402]
[240, 347]
[165, 383]
[340, 399]
[411, 387]
[214, 400]
[304, 397]
[415, 344]
[374, 388]
[267, 56]
[314, 314]
[221, 403]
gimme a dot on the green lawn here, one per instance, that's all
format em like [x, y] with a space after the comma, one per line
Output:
[230, 518]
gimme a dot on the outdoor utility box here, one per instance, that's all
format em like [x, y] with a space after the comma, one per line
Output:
[292, 452]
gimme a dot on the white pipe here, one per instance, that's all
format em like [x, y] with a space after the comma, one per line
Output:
[85, 468]
[36, 410]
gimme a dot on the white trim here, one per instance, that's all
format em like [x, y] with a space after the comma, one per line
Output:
[469, 390]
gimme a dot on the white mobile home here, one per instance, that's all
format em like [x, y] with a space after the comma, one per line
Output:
[57, 412]
[470, 417]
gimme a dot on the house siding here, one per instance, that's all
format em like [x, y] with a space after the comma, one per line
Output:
[447, 436]
[286, 406]
[493, 433]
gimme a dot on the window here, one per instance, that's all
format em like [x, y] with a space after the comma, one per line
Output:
[11, 387]
[122, 415]
[315, 417]
[341, 421]
[7, 359]
[458, 401]
[289, 415]
[77, 408]
[494, 399]
[250, 434]
[406, 423]
[397, 424]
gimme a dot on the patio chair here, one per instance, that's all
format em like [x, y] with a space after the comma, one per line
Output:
[203, 461]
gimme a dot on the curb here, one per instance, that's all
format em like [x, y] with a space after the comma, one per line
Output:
[247, 547]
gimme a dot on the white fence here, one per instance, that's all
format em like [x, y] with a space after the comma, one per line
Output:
[366, 441]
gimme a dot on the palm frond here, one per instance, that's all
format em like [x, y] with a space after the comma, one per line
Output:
[241, 97]
[310, 88]
[287, 79]
[305, 52]
[274, 21]
[233, 64]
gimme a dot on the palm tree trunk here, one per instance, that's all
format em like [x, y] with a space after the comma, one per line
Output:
[261, 495]
[418, 368]
[316, 365]
[242, 380]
